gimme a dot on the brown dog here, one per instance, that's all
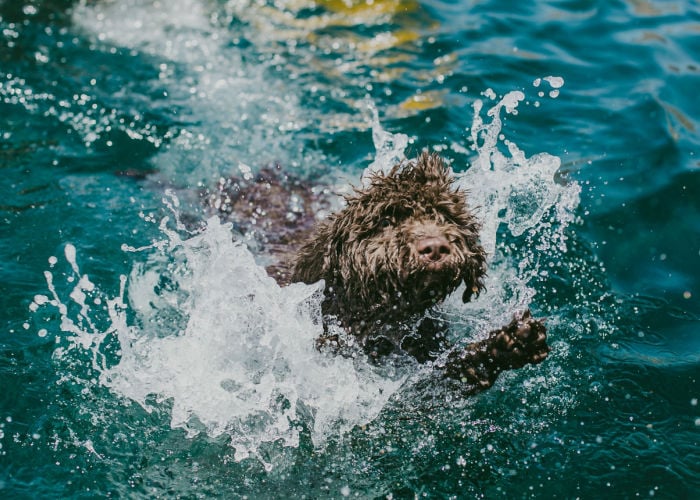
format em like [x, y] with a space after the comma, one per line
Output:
[400, 246]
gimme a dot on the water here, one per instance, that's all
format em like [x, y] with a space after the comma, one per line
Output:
[143, 358]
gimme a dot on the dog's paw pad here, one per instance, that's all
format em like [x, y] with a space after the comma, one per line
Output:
[523, 341]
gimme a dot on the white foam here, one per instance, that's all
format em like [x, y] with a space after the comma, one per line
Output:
[231, 350]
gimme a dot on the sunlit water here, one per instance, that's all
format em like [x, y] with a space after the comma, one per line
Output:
[144, 357]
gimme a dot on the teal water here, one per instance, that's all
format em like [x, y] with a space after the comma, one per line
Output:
[140, 360]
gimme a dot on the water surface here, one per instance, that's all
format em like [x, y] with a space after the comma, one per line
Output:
[141, 359]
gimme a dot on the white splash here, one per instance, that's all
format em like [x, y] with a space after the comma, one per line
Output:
[512, 189]
[389, 148]
[232, 351]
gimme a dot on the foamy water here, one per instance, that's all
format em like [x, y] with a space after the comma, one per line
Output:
[201, 325]
[231, 350]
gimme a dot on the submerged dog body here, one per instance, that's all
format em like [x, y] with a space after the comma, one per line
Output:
[400, 246]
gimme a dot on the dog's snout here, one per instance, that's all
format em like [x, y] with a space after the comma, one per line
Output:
[433, 249]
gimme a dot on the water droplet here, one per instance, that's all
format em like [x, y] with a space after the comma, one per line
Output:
[555, 81]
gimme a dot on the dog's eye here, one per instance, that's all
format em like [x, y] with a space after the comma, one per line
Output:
[386, 222]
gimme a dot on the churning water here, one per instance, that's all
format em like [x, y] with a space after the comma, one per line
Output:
[144, 357]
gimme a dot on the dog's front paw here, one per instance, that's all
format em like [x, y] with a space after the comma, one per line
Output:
[522, 341]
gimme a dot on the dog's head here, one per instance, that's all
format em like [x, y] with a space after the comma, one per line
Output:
[406, 241]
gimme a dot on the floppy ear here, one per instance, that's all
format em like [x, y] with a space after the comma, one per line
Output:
[312, 260]
[473, 274]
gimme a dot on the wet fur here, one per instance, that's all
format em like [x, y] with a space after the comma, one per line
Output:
[364, 252]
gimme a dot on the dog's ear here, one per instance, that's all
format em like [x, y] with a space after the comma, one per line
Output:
[473, 274]
[314, 258]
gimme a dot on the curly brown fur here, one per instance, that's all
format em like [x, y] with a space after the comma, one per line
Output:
[375, 255]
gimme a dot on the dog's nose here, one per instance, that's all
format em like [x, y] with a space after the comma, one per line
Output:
[433, 249]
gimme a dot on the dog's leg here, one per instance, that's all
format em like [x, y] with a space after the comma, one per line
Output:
[522, 341]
